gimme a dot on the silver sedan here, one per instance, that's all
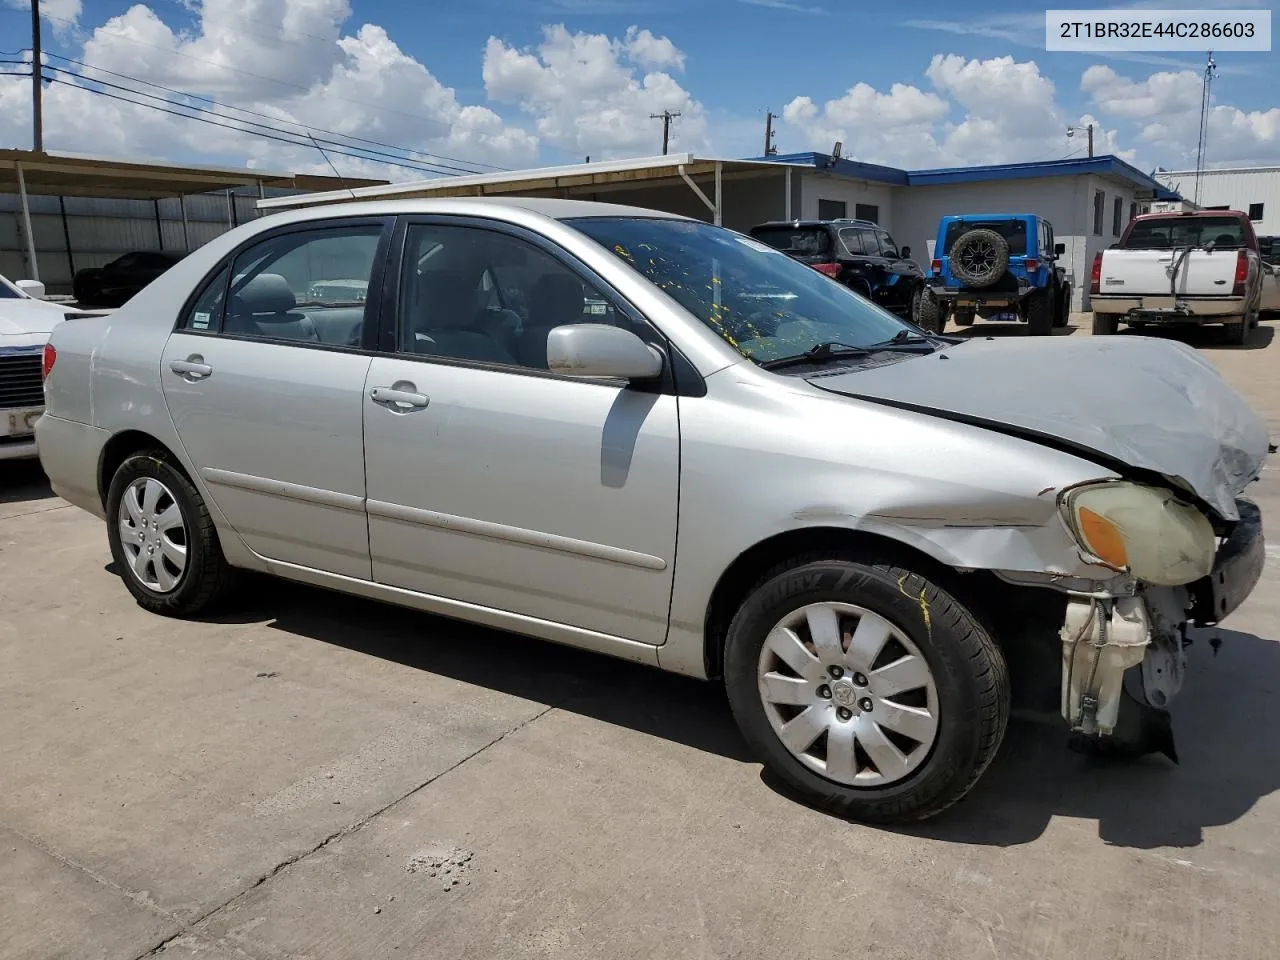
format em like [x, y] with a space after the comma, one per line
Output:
[660, 439]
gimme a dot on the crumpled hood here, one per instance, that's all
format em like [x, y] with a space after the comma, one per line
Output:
[1153, 405]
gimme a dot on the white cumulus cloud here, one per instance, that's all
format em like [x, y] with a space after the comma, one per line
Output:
[590, 93]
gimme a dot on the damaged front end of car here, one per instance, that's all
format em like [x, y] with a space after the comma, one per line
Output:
[1124, 640]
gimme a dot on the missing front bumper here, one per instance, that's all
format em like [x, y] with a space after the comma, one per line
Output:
[1106, 638]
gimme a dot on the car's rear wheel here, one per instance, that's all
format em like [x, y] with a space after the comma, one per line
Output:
[866, 688]
[1105, 324]
[1237, 331]
[928, 312]
[1040, 308]
[162, 537]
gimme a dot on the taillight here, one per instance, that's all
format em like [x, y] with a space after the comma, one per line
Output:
[830, 269]
[1242, 273]
[47, 360]
[1032, 265]
[935, 267]
[1095, 278]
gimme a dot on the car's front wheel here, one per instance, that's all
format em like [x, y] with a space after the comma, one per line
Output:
[866, 688]
[162, 538]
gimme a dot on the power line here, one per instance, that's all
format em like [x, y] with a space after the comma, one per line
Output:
[254, 113]
[376, 155]
[228, 126]
[247, 73]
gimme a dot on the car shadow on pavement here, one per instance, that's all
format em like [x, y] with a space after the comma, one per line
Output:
[675, 708]
[1225, 723]
[1000, 328]
[1260, 337]
[1227, 733]
[22, 481]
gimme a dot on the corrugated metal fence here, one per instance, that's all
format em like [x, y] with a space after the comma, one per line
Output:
[72, 233]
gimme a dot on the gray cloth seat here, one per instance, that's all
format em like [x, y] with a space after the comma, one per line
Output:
[264, 307]
[557, 299]
[443, 320]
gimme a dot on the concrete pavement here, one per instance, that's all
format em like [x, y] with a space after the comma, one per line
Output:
[317, 776]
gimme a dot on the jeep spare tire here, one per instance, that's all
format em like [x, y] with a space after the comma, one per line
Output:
[979, 257]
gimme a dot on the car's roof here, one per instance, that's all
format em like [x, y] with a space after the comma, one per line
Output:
[554, 208]
[992, 216]
[835, 222]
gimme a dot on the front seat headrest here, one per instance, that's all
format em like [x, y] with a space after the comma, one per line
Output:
[266, 293]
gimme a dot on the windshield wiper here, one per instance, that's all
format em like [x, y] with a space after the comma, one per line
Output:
[903, 336]
[829, 350]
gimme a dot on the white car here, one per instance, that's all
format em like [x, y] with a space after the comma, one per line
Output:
[26, 320]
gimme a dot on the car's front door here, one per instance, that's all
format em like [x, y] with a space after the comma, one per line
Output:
[493, 481]
[265, 385]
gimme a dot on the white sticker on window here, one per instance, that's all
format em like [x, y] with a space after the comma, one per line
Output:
[200, 321]
[755, 244]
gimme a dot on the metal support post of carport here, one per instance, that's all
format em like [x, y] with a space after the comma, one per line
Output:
[26, 224]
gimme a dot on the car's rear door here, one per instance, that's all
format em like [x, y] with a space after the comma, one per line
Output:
[266, 388]
[495, 482]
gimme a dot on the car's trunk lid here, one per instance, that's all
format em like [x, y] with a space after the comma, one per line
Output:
[1154, 406]
[1200, 273]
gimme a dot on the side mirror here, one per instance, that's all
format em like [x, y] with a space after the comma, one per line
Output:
[32, 288]
[905, 252]
[1059, 249]
[600, 350]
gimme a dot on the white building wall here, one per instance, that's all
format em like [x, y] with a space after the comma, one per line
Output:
[1066, 202]
[817, 186]
[1236, 189]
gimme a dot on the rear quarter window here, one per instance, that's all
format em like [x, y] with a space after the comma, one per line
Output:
[800, 241]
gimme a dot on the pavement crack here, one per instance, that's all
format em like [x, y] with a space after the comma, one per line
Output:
[190, 927]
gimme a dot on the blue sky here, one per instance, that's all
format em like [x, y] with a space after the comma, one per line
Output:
[510, 83]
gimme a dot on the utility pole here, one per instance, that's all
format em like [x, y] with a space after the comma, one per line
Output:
[1206, 100]
[1091, 140]
[769, 148]
[666, 116]
[37, 114]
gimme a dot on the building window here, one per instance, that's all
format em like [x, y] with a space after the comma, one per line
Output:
[1117, 212]
[1099, 206]
[1255, 211]
[1133, 210]
[867, 211]
[832, 210]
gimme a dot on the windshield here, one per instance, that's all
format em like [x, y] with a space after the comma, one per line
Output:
[799, 241]
[1013, 231]
[1185, 232]
[764, 303]
[8, 292]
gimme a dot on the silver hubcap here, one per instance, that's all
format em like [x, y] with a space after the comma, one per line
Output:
[848, 694]
[153, 535]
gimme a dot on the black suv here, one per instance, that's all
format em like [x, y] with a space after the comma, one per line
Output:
[858, 253]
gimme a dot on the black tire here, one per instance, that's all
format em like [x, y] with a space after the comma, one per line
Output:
[206, 577]
[929, 315]
[968, 672]
[963, 318]
[1105, 324]
[979, 257]
[1236, 332]
[1040, 310]
[1063, 313]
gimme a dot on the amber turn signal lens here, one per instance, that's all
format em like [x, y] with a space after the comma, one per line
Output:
[1103, 538]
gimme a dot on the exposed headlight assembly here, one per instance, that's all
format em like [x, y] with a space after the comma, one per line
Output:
[1143, 531]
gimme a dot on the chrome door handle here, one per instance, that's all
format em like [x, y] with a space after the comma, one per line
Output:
[398, 399]
[193, 369]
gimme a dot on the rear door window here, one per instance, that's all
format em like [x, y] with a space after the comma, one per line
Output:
[797, 241]
[859, 242]
[1013, 231]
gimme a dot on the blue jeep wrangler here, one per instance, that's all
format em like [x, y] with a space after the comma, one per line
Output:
[991, 265]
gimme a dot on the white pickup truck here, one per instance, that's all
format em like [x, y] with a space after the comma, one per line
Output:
[1178, 268]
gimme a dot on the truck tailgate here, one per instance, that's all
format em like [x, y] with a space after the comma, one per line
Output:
[1201, 273]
